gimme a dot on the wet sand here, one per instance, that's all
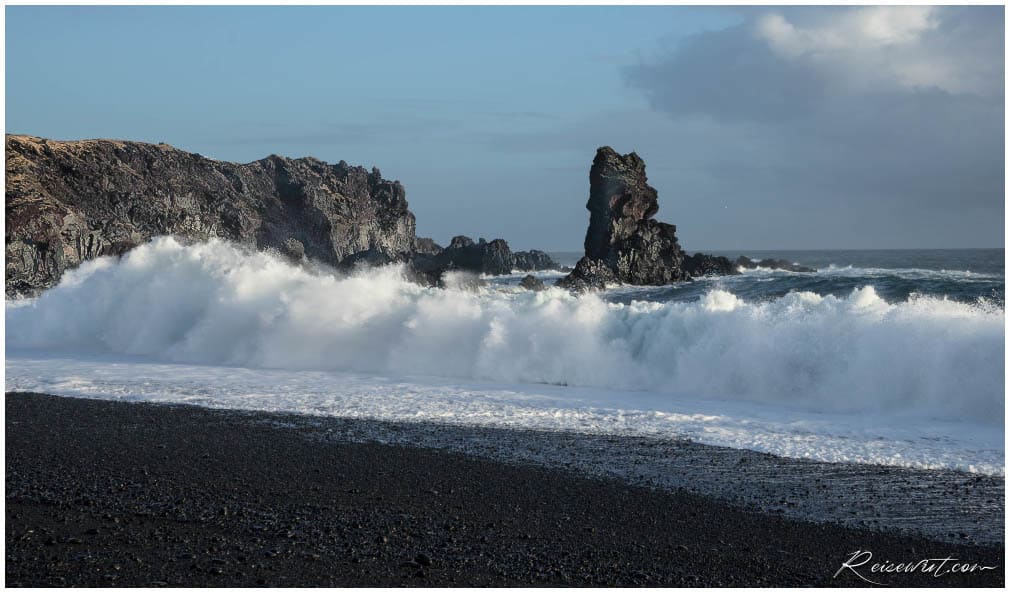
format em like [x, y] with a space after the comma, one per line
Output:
[130, 494]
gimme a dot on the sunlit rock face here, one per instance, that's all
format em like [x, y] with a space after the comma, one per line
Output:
[67, 202]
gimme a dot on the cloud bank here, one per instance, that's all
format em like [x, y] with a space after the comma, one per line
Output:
[890, 109]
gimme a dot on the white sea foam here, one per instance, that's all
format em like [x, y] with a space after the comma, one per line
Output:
[215, 304]
[845, 438]
[907, 273]
[923, 360]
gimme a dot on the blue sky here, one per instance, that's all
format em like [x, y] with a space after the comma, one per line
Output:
[761, 128]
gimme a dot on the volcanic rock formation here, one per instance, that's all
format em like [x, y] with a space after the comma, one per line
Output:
[703, 264]
[72, 201]
[623, 243]
[426, 246]
[532, 260]
[483, 257]
[68, 202]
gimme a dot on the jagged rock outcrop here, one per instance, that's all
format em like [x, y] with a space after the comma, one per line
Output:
[588, 274]
[371, 258]
[67, 202]
[623, 243]
[486, 257]
[531, 282]
[496, 257]
[482, 257]
[426, 246]
[532, 261]
[703, 264]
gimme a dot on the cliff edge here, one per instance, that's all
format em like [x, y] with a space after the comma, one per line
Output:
[68, 202]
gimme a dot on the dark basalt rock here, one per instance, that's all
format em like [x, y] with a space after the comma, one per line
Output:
[650, 256]
[67, 202]
[772, 264]
[370, 258]
[490, 257]
[496, 257]
[482, 257]
[702, 264]
[533, 260]
[460, 242]
[531, 282]
[424, 269]
[619, 199]
[426, 246]
[623, 244]
[463, 255]
[588, 274]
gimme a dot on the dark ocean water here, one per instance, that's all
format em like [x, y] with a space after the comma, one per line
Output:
[964, 275]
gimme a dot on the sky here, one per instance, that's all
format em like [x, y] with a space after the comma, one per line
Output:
[762, 128]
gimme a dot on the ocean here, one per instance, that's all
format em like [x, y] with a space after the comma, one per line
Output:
[965, 275]
[884, 357]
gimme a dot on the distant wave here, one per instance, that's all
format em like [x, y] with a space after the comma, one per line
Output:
[912, 273]
[850, 271]
[213, 303]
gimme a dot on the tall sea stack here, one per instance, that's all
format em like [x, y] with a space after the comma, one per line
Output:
[623, 243]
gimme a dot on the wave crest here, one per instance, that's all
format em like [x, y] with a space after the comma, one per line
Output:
[213, 303]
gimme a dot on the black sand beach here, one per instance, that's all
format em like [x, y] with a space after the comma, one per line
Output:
[129, 494]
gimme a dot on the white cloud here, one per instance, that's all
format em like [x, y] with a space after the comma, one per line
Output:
[888, 25]
[854, 30]
[908, 47]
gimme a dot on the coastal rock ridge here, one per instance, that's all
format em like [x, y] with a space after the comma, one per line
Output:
[69, 202]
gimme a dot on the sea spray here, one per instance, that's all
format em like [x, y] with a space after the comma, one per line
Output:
[213, 303]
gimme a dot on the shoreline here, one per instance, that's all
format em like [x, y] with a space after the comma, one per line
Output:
[963, 507]
[121, 493]
[944, 504]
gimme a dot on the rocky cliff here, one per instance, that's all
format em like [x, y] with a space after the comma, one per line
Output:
[68, 202]
[72, 201]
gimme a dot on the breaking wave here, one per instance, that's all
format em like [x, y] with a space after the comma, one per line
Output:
[213, 303]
